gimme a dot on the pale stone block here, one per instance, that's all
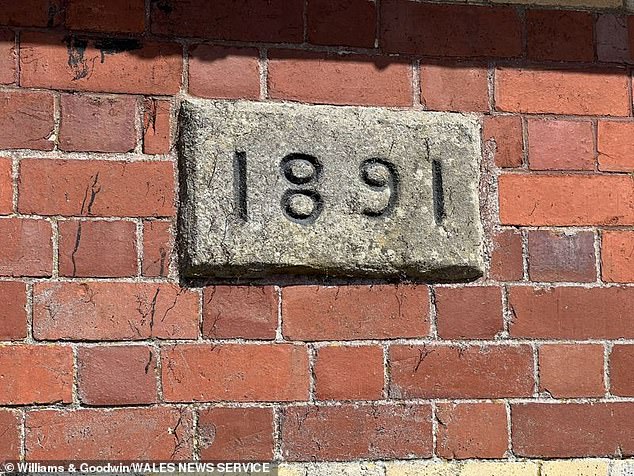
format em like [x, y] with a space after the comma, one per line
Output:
[575, 467]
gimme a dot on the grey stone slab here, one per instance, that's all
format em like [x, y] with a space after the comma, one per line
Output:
[271, 189]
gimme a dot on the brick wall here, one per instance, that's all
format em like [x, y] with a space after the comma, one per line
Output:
[98, 338]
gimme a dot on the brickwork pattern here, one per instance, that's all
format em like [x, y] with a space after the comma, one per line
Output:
[99, 338]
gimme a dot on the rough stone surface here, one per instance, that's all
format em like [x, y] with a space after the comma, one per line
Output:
[273, 189]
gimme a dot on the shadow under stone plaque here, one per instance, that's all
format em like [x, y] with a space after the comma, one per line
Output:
[271, 189]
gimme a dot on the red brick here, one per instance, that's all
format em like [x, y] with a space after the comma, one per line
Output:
[560, 200]
[559, 35]
[505, 133]
[612, 38]
[224, 73]
[104, 249]
[248, 312]
[113, 311]
[556, 256]
[449, 30]
[560, 145]
[97, 124]
[35, 374]
[45, 13]
[434, 371]
[617, 260]
[13, 311]
[355, 312]
[506, 256]
[339, 79]
[462, 426]
[162, 433]
[157, 129]
[342, 22]
[7, 57]
[230, 434]
[558, 91]
[236, 372]
[26, 247]
[117, 375]
[571, 370]
[116, 66]
[469, 313]
[571, 312]
[158, 244]
[342, 433]
[125, 16]
[26, 120]
[10, 429]
[621, 365]
[6, 186]
[614, 145]
[454, 87]
[249, 20]
[349, 373]
[574, 429]
[96, 188]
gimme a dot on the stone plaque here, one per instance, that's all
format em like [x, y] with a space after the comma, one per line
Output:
[271, 189]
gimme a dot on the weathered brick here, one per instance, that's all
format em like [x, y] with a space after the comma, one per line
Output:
[97, 124]
[103, 249]
[560, 145]
[221, 72]
[6, 186]
[163, 433]
[505, 132]
[10, 429]
[469, 313]
[230, 434]
[102, 65]
[621, 364]
[236, 372]
[8, 55]
[26, 247]
[157, 127]
[248, 312]
[339, 79]
[117, 375]
[571, 312]
[96, 188]
[113, 311]
[461, 428]
[571, 370]
[435, 371]
[559, 91]
[454, 87]
[574, 429]
[449, 30]
[556, 256]
[617, 260]
[615, 145]
[559, 35]
[158, 244]
[342, 22]
[506, 256]
[43, 13]
[341, 433]
[355, 312]
[563, 200]
[35, 374]
[248, 20]
[349, 373]
[13, 311]
[26, 120]
[612, 38]
[125, 16]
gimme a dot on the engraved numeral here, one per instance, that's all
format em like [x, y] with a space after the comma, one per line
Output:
[379, 175]
[302, 205]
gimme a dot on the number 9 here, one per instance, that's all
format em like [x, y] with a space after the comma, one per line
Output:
[380, 175]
